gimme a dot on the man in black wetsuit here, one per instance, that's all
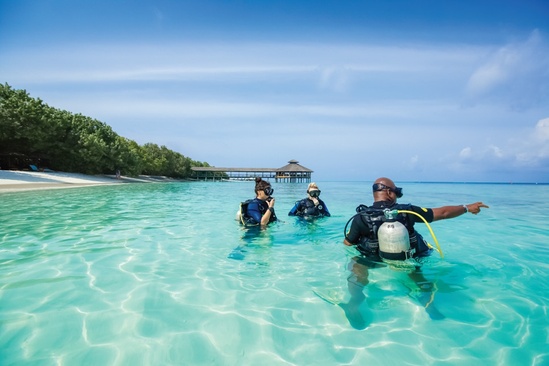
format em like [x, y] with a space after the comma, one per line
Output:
[363, 235]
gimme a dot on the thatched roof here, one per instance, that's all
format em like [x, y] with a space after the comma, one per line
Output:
[221, 169]
[293, 166]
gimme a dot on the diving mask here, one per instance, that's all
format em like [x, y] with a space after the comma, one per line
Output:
[314, 193]
[380, 187]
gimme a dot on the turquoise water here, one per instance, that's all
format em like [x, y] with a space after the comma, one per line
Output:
[139, 274]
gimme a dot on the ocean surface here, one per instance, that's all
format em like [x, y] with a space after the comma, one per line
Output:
[162, 274]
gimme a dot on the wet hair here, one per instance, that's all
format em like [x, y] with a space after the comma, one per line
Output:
[261, 184]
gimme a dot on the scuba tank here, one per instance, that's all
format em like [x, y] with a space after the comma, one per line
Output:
[241, 212]
[393, 237]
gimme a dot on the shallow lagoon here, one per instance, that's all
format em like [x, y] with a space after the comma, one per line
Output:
[140, 274]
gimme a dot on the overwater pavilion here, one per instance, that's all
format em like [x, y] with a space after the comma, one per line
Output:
[293, 172]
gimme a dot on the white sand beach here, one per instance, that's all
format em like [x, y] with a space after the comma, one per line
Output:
[15, 181]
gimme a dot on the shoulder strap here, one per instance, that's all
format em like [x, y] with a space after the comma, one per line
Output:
[244, 206]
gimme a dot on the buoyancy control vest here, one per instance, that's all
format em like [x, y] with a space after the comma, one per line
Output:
[306, 207]
[245, 219]
[373, 218]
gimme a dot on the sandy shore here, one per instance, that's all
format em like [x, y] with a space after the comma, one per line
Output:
[15, 181]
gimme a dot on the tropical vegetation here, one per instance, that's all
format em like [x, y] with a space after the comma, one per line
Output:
[31, 132]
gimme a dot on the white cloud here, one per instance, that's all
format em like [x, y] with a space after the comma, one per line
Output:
[335, 78]
[465, 153]
[528, 152]
[332, 64]
[359, 99]
[494, 72]
[495, 151]
[542, 129]
[515, 74]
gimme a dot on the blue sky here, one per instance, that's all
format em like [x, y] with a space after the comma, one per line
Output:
[413, 90]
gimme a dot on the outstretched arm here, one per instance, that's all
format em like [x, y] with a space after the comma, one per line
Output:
[449, 212]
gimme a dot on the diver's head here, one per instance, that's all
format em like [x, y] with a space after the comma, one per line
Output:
[263, 189]
[313, 190]
[384, 189]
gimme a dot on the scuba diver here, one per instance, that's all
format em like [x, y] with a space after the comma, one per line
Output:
[255, 214]
[260, 210]
[383, 232]
[311, 206]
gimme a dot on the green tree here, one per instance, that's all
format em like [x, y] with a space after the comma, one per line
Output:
[76, 143]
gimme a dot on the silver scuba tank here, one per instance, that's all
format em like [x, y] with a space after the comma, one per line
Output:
[394, 241]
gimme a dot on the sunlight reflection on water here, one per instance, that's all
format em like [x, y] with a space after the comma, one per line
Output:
[140, 274]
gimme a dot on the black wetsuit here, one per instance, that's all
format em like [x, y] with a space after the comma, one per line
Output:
[306, 207]
[366, 223]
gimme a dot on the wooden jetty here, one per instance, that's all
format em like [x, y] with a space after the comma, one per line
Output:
[293, 172]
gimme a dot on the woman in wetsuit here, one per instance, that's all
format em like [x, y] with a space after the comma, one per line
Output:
[260, 210]
[311, 206]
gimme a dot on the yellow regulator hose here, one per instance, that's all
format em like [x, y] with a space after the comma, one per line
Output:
[438, 249]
